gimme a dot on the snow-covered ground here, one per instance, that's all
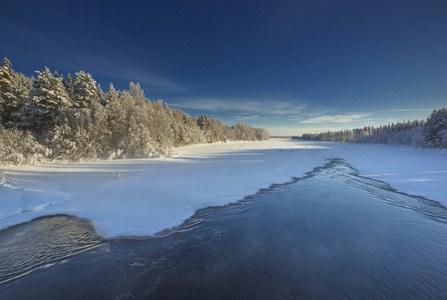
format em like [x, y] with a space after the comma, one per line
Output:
[141, 197]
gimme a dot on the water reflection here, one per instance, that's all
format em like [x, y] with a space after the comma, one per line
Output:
[37, 244]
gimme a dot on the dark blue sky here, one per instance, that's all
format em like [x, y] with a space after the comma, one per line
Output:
[288, 66]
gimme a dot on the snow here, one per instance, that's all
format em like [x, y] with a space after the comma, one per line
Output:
[140, 197]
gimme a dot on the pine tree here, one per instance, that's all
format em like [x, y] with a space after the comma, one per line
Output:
[111, 96]
[21, 92]
[202, 122]
[137, 93]
[8, 81]
[45, 103]
[67, 83]
[436, 127]
[83, 90]
[99, 94]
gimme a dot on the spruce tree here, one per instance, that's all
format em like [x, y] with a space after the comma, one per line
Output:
[83, 90]
[67, 83]
[435, 128]
[21, 92]
[8, 81]
[46, 101]
[111, 96]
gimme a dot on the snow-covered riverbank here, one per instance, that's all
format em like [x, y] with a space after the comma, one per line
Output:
[144, 196]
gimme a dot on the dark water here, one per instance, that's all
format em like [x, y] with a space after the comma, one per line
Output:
[333, 235]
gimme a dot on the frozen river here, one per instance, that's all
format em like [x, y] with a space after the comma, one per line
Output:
[330, 235]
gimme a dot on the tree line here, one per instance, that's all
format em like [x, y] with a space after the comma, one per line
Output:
[430, 133]
[53, 117]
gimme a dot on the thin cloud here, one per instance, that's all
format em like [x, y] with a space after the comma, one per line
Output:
[297, 131]
[334, 119]
[263, 107]
[105, 61]
[405, 110]
[364, 117]
[146, 78]
[248, 118]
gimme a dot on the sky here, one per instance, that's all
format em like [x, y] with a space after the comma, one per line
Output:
[291, 67]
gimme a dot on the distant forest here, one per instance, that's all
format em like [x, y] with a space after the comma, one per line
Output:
[431, 133]
[56, 117]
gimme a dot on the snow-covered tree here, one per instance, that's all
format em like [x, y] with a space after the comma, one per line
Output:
[18, 147]
[83, 90]
[8, 81]
[67, 83]
[83, 134]
[401, 133]
[110, 97]
[72, 119]
[261, 134]
[139, 141]
[46, 101]
[100, 95]
[244, 132]
[137, 93]
[185, 129]
[161, 126]
[21, 92]
[435, 128]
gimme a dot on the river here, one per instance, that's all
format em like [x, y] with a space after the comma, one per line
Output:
[330, 235]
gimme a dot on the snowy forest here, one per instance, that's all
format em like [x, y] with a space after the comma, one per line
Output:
[431, 133]
[55, 117]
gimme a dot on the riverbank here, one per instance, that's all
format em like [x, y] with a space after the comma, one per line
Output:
[141, 197]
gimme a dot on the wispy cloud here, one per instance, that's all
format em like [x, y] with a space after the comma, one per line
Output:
[262, 107]
[297, 131]
[406, 110]
[104, 60]
[108, 66]
[145, 78]
[334, 119]
[248, 118]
